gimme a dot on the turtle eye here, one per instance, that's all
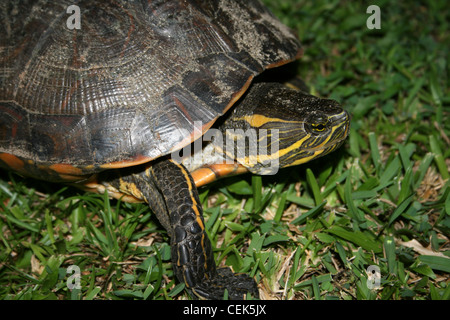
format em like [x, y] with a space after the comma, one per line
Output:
[318, 127]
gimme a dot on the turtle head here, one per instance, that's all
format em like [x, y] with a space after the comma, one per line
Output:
[274, 126]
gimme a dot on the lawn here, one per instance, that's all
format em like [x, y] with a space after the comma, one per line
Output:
[317, 231]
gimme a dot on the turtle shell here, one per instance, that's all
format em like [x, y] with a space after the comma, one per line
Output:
[131, 83]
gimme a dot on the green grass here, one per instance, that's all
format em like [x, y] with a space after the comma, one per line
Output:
[310, 232]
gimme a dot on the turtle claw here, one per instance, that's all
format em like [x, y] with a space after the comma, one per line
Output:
[237, 286]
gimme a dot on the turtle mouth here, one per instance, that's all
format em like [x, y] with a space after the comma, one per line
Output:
[332, 145]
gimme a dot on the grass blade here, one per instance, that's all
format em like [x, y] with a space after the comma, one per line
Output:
[400, 209]
[312, 183]
[436, 263]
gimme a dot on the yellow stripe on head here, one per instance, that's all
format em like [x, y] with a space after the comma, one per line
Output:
[259, 120]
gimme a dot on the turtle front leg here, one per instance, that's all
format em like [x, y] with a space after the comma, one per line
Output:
[170, 192]
[192, 254]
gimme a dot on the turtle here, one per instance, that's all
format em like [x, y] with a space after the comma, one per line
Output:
[123, 96]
